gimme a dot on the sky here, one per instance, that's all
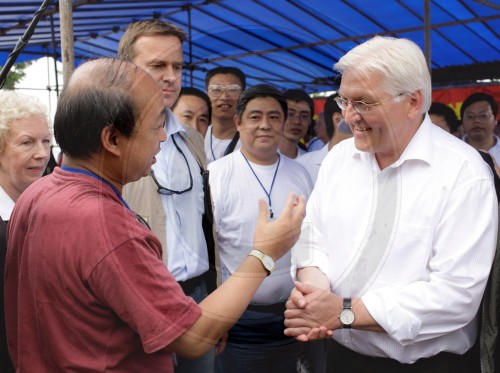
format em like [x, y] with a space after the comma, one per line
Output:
[40, 81]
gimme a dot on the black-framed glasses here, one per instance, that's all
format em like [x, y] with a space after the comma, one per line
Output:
[141, 220]
[166, 191]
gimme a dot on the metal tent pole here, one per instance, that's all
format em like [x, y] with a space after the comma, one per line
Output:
[427, 33]
[23, 41]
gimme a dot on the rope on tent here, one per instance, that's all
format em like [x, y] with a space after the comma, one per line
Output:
[23, 41]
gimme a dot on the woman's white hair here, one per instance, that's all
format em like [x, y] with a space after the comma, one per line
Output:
[15, 106]
[400, 61]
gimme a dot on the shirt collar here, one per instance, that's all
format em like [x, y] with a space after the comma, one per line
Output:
[419, 148]
[497, 139]
[172, 124]
[6, 205]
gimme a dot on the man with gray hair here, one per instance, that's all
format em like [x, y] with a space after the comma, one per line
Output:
[395, 273]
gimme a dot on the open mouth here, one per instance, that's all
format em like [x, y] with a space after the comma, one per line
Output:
[358, 128]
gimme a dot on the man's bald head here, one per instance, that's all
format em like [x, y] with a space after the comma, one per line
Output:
[100, 93]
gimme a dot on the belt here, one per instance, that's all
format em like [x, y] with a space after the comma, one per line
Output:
[190, 285]
[275, 308]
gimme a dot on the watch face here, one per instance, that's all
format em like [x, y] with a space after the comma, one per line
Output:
[347, 317]
[268, 263]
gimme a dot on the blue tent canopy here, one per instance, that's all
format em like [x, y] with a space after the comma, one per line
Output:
[287, 43]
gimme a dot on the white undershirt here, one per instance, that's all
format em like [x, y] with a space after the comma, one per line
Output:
[312, 161]
[235, 192]
[216, 148]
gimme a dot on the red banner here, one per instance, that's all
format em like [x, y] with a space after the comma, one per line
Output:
[454, 97]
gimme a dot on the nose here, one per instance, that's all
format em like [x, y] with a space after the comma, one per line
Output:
[168, 74]
[224, 94]
[350, 114]
[293, 118]
[265, 124]
[41, 150]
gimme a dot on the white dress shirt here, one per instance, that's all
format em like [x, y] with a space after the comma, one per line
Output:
[315, 144]
[235, 194]
[216, 148]
[312, 161]
[415, 241]
[187, 247]
[495, 150]
[6, 205]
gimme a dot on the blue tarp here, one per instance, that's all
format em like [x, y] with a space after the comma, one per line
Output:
[288, 43]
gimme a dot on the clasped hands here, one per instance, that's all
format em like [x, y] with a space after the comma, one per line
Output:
[311, 313]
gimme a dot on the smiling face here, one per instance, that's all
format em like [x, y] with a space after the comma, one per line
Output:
[161, 57]
[387, 128]
[260, 127]
[193, 111]
[25, 154]
[224, 106]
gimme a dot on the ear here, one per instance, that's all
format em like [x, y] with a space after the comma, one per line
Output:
[336, 118]
[111, 140]
[415, 101]
[237, 121]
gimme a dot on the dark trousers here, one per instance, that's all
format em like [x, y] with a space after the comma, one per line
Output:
[344, 360]
[257, 344]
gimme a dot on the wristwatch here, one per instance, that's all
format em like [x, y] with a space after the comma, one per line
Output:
[266, 260]
[347, 315]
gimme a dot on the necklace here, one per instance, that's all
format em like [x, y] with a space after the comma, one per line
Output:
[268, 194]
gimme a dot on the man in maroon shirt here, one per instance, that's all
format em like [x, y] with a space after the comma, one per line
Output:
[87, 286]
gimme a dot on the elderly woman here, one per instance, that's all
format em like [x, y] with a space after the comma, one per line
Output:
[24, 152]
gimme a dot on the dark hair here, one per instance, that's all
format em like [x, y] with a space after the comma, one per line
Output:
[300, 95]
[99, 94]
[260, 90]
[330, 108]
[146, 27]
[226, 70]
[191, 91]
[479, 96]
[438, 108]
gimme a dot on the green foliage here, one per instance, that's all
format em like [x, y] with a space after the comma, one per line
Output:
[16, 73]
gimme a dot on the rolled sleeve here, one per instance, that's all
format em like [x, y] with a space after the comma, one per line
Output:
[309, 251]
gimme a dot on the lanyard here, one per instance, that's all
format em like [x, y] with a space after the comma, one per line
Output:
[271, 214]
[88, 173]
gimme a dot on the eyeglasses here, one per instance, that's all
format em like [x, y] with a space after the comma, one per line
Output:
[360, 106]
[141, 220]
[232, 90]
[166, 191]
[479, 117]
[303, 117]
